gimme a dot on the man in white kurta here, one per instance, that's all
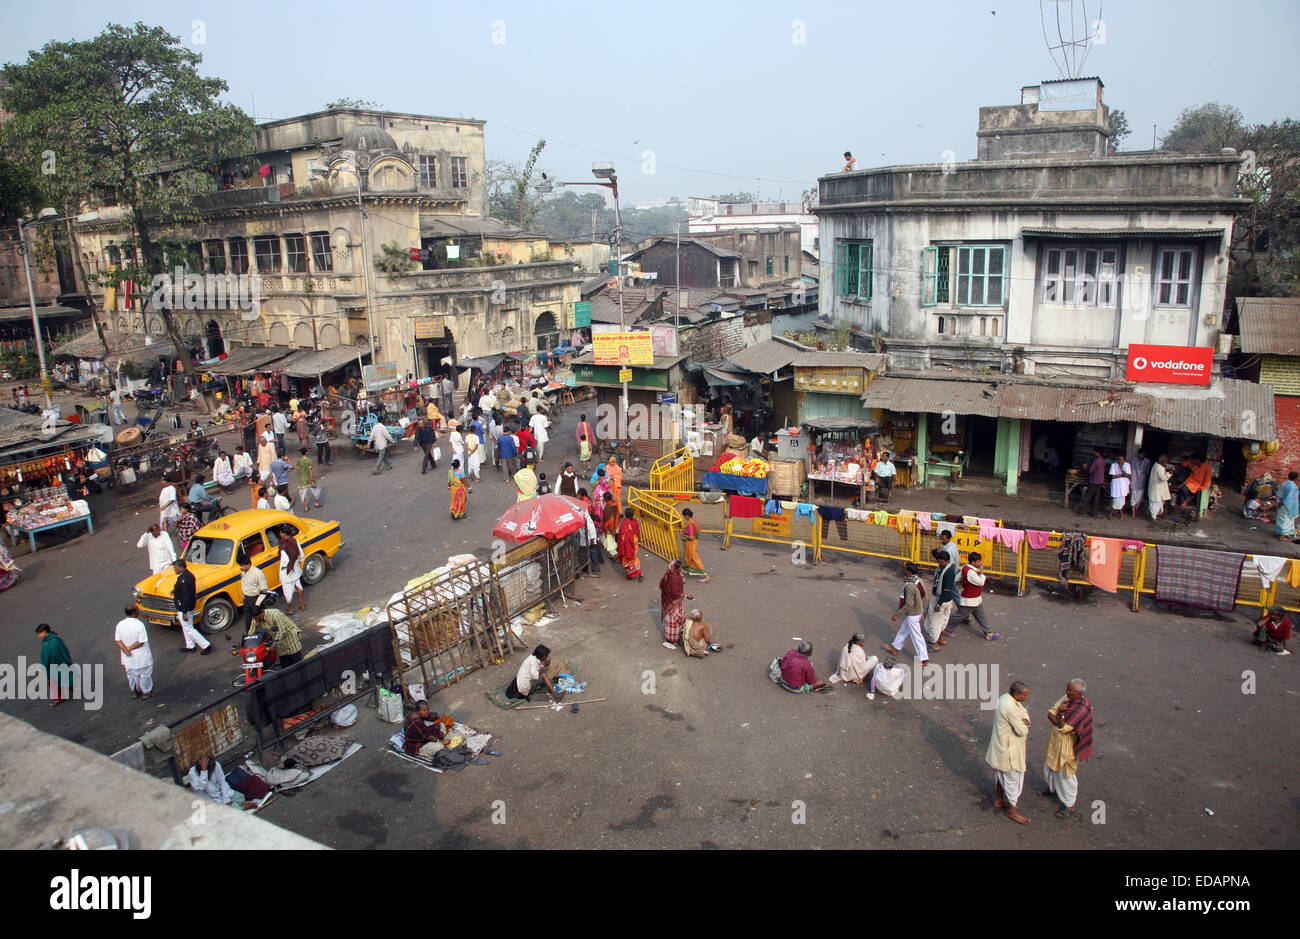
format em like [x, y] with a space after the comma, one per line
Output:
[169, 509]
[537, 424]
[161, 552]
[1007, 747]
[133, 641]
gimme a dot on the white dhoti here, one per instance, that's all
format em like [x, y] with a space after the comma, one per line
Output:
[140, 679]
[475, 463]
[1012, 783]
[937, 621]
[168, 517]
[226, 479]
[290, 582]
[1065, 787]
[911, 629]
[1156, 507]
[305, 491]
[192, 636]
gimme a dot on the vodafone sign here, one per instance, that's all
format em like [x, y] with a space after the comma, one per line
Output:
[1171, 365]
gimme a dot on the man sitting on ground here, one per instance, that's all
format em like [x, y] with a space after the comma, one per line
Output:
[534, 675]
[697, 636]
[423, 732]
[797, 673]
[887, 678]
[1272, 631]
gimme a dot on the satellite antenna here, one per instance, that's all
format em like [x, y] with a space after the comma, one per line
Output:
[1071, 25]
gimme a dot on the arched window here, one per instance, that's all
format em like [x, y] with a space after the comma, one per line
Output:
[216, 345]
[279, 334]
[329, 336]
[995, 325]
[303, 337]
[984, 325]
[941, 326]
[156, 326]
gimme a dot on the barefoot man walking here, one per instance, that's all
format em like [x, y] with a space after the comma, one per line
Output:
[1007, 746]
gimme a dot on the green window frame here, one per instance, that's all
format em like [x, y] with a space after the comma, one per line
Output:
[853, 277]
[787, 264]
[964, 275]
[769, 264]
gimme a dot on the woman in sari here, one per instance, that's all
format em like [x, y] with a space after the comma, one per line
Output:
[855, 664]
[629, 539]
[672, 612]
[601, 483]
[615, 474]
[692, 566]
[291, 571]
[9, 571]
[526, 483]
[459, 491]
[1288, 507]
[609, 524]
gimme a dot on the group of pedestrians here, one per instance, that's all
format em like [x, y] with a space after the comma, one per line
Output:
[1141, 485]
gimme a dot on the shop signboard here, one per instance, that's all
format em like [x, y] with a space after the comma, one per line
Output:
[1170, 365]
[379, 376]
[774, 526]
[430, 327]
[624, 375]
[582, 314]
[623, 348]
[829, 379]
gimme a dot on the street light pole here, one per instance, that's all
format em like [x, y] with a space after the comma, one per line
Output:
[365, 268]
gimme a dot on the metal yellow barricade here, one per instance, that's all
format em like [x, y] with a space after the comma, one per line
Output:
[674, 472]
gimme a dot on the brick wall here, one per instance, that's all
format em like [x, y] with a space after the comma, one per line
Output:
[1287, 457]
[716, 340]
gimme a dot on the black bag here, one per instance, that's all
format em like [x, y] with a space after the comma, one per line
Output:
[453, 759]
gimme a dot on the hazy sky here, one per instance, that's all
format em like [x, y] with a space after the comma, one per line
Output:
[726, 96]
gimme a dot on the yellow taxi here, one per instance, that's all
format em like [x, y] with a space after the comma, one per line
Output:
[211, 558]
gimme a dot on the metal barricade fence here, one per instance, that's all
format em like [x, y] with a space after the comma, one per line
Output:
[1250, 590]
[673, 471]
[536, 571]
[661, 524]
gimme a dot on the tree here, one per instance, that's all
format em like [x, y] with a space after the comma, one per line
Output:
[354, 103]
[129, 121]
[737, 197]
[1266, 237]
[528, 208]
[1206, 129]
[511, 190]
[1119, 128]
[20, 193]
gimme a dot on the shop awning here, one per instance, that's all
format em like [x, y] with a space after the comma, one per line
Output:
[767, 357]
[309, 364]
[716, 377]
[1229, 408]
[837, 425]
[242, 360]
[484, 363]
[132, 346]
[24, 313]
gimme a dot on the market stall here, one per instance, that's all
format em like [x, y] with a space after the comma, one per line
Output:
[44, 510]
[732, 473]
[840, 451]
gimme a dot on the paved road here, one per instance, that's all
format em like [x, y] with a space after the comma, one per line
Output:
[717, 756]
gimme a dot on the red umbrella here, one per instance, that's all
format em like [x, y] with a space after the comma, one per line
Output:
[551, 515]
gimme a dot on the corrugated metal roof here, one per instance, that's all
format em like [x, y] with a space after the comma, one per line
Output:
[768, 356]
[1269, 325]
[123, 345]
[1073, 234]
[932, 396]
[1229, 408]
[244, 359]
[870, 360]
[310, 364]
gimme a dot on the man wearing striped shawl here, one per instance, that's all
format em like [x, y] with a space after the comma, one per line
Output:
[1068, 744]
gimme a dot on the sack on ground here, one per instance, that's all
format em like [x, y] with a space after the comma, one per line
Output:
[774, 670]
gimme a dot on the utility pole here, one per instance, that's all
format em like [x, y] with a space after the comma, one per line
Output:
[677, 282]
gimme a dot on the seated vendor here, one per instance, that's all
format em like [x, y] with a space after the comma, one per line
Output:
[423, 731]
[535, 674]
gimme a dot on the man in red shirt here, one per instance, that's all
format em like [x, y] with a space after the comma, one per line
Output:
[797, 673]
[1274, 629]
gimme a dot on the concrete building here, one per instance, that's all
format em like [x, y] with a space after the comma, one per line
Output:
[409, 182]
[1045, 257]
[741, 257]
[710, 215]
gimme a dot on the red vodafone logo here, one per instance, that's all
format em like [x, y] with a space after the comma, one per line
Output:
[1175, 365]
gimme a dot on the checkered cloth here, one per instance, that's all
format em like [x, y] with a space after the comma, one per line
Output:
[1208, 580]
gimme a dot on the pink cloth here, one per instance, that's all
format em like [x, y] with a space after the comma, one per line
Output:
[1037, 539]
[988, 528]
[1130, 543]
[923, 520]
[1011, 537]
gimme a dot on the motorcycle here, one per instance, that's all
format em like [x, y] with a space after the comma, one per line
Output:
[257, 649]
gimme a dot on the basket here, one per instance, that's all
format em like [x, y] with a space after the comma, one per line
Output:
[785, 478]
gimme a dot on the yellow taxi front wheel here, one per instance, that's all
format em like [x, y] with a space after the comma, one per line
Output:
[218, 615]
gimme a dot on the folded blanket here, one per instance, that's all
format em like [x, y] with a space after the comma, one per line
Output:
[317, 751]
[498, 697]
[1208, 580]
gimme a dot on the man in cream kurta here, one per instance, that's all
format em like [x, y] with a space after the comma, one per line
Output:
[1069, 742]
[1007, 747]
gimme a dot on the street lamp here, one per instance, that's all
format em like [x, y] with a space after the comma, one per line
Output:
[352, 158]
[44, 216]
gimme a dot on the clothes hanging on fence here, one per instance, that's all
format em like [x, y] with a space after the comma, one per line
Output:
[1072, 558]
[772, 507]
[832, 513]
[1133, 543]
[1208, 580]
[859, 515]
[1269, 568]
[746, 506]
[880, 517]
[949, 527]
[805, 509]
[1104, 556]
[970, 520]
[988, 528]
[1010, 537]
[906, 520]
[1293, 574]
[924, 521]
[1037, 539]
[789, 508]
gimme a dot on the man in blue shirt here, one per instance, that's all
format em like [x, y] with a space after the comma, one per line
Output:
[280, 469]
[508, 450]
[201, 501]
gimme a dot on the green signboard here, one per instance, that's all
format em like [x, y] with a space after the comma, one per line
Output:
[607, 375]
[582, 313]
